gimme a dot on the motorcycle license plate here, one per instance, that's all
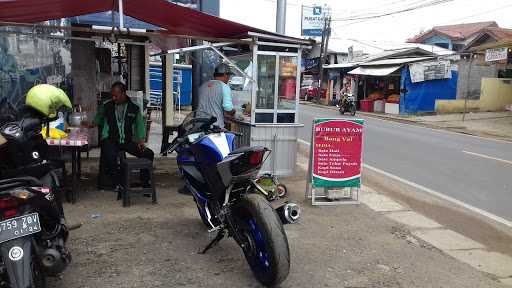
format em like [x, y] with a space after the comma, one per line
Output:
[19, 226]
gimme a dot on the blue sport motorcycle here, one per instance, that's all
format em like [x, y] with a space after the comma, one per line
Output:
[222, 182]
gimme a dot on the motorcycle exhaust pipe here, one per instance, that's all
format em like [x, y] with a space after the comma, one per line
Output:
[289, 213]
[53, 261]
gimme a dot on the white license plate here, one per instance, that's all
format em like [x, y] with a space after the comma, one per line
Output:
[19, 226]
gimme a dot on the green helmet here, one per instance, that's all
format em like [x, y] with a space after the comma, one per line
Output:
[47, 99]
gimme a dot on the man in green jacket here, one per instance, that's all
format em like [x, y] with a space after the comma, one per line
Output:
[123, 129]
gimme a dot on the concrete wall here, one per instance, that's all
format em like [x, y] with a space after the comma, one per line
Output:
[479, 70]
[495, 95]
[83, 71]
[137, 64]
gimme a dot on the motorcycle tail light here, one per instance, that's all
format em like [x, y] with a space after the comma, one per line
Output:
[8, 203]
[10, 213]
[256, 157]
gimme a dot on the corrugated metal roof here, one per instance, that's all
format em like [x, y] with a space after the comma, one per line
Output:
[342, 65]
[375, 71]
[395, 61]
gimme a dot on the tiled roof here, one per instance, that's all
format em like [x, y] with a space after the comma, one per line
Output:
[499, 33]
[455, 32]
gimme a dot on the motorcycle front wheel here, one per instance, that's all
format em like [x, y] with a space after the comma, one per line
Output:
[266, 245]
[353, 110]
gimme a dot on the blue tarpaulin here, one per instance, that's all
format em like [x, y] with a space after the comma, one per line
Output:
[422, 96]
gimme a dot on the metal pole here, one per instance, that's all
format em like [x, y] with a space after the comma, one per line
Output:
[121, 15]
[323, 53]
[467, 88]
[281, 17]
[196, 74]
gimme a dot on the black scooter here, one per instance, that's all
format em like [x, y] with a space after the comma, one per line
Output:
[33, 229]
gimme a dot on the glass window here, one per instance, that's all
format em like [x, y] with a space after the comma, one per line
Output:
[264, 118]
[286, 118]
[266, 82]
[241, 87]
[287, 83]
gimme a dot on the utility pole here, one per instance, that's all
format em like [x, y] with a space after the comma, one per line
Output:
[326, 33]
[281, 17]
[467, 88]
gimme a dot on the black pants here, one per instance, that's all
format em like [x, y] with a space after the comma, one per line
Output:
[110, 151]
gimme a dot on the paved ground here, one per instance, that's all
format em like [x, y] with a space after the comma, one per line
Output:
[472, 170]
[156, 246]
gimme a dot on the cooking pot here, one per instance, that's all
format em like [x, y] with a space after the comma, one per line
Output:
[76, 118]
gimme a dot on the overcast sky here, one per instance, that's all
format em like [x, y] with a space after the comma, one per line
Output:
[374, 32]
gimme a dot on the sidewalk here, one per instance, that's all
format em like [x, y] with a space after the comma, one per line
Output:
[497, 125]
[156, 245]
[487, 251]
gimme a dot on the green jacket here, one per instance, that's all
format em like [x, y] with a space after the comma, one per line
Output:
[133, 128]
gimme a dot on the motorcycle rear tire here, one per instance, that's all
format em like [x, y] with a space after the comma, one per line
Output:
[269, 254]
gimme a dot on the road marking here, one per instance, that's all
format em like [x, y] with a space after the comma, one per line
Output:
[303, 142]
[488, 157]
[442, 196]
[434, 193]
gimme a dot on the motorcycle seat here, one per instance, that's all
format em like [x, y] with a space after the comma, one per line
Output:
[241, 150]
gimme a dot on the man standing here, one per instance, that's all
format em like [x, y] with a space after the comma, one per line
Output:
[123, 129]
[215, 95]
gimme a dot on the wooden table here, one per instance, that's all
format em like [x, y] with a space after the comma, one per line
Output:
[75, 146]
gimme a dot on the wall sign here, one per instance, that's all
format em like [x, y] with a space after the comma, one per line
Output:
[496, 54]
[337, 152]
[432, 70]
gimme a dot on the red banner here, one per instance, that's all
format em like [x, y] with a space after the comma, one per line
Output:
[337, 152]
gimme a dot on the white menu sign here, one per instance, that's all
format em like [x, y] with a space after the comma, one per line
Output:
[496, 54]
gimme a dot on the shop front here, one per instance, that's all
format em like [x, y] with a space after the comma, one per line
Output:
[404, 85]
[378, 88]
[266, 97]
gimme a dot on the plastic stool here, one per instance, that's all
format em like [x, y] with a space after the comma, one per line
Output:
[129, 165]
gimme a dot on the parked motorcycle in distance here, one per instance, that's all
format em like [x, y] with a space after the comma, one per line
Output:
[220, 179]
[347, 104]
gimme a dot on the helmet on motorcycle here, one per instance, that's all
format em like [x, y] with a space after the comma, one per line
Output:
[47, 99]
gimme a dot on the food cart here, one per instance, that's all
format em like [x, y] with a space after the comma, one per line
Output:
[268, 106]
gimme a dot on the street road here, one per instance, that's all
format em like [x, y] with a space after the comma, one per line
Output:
[473, 170]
